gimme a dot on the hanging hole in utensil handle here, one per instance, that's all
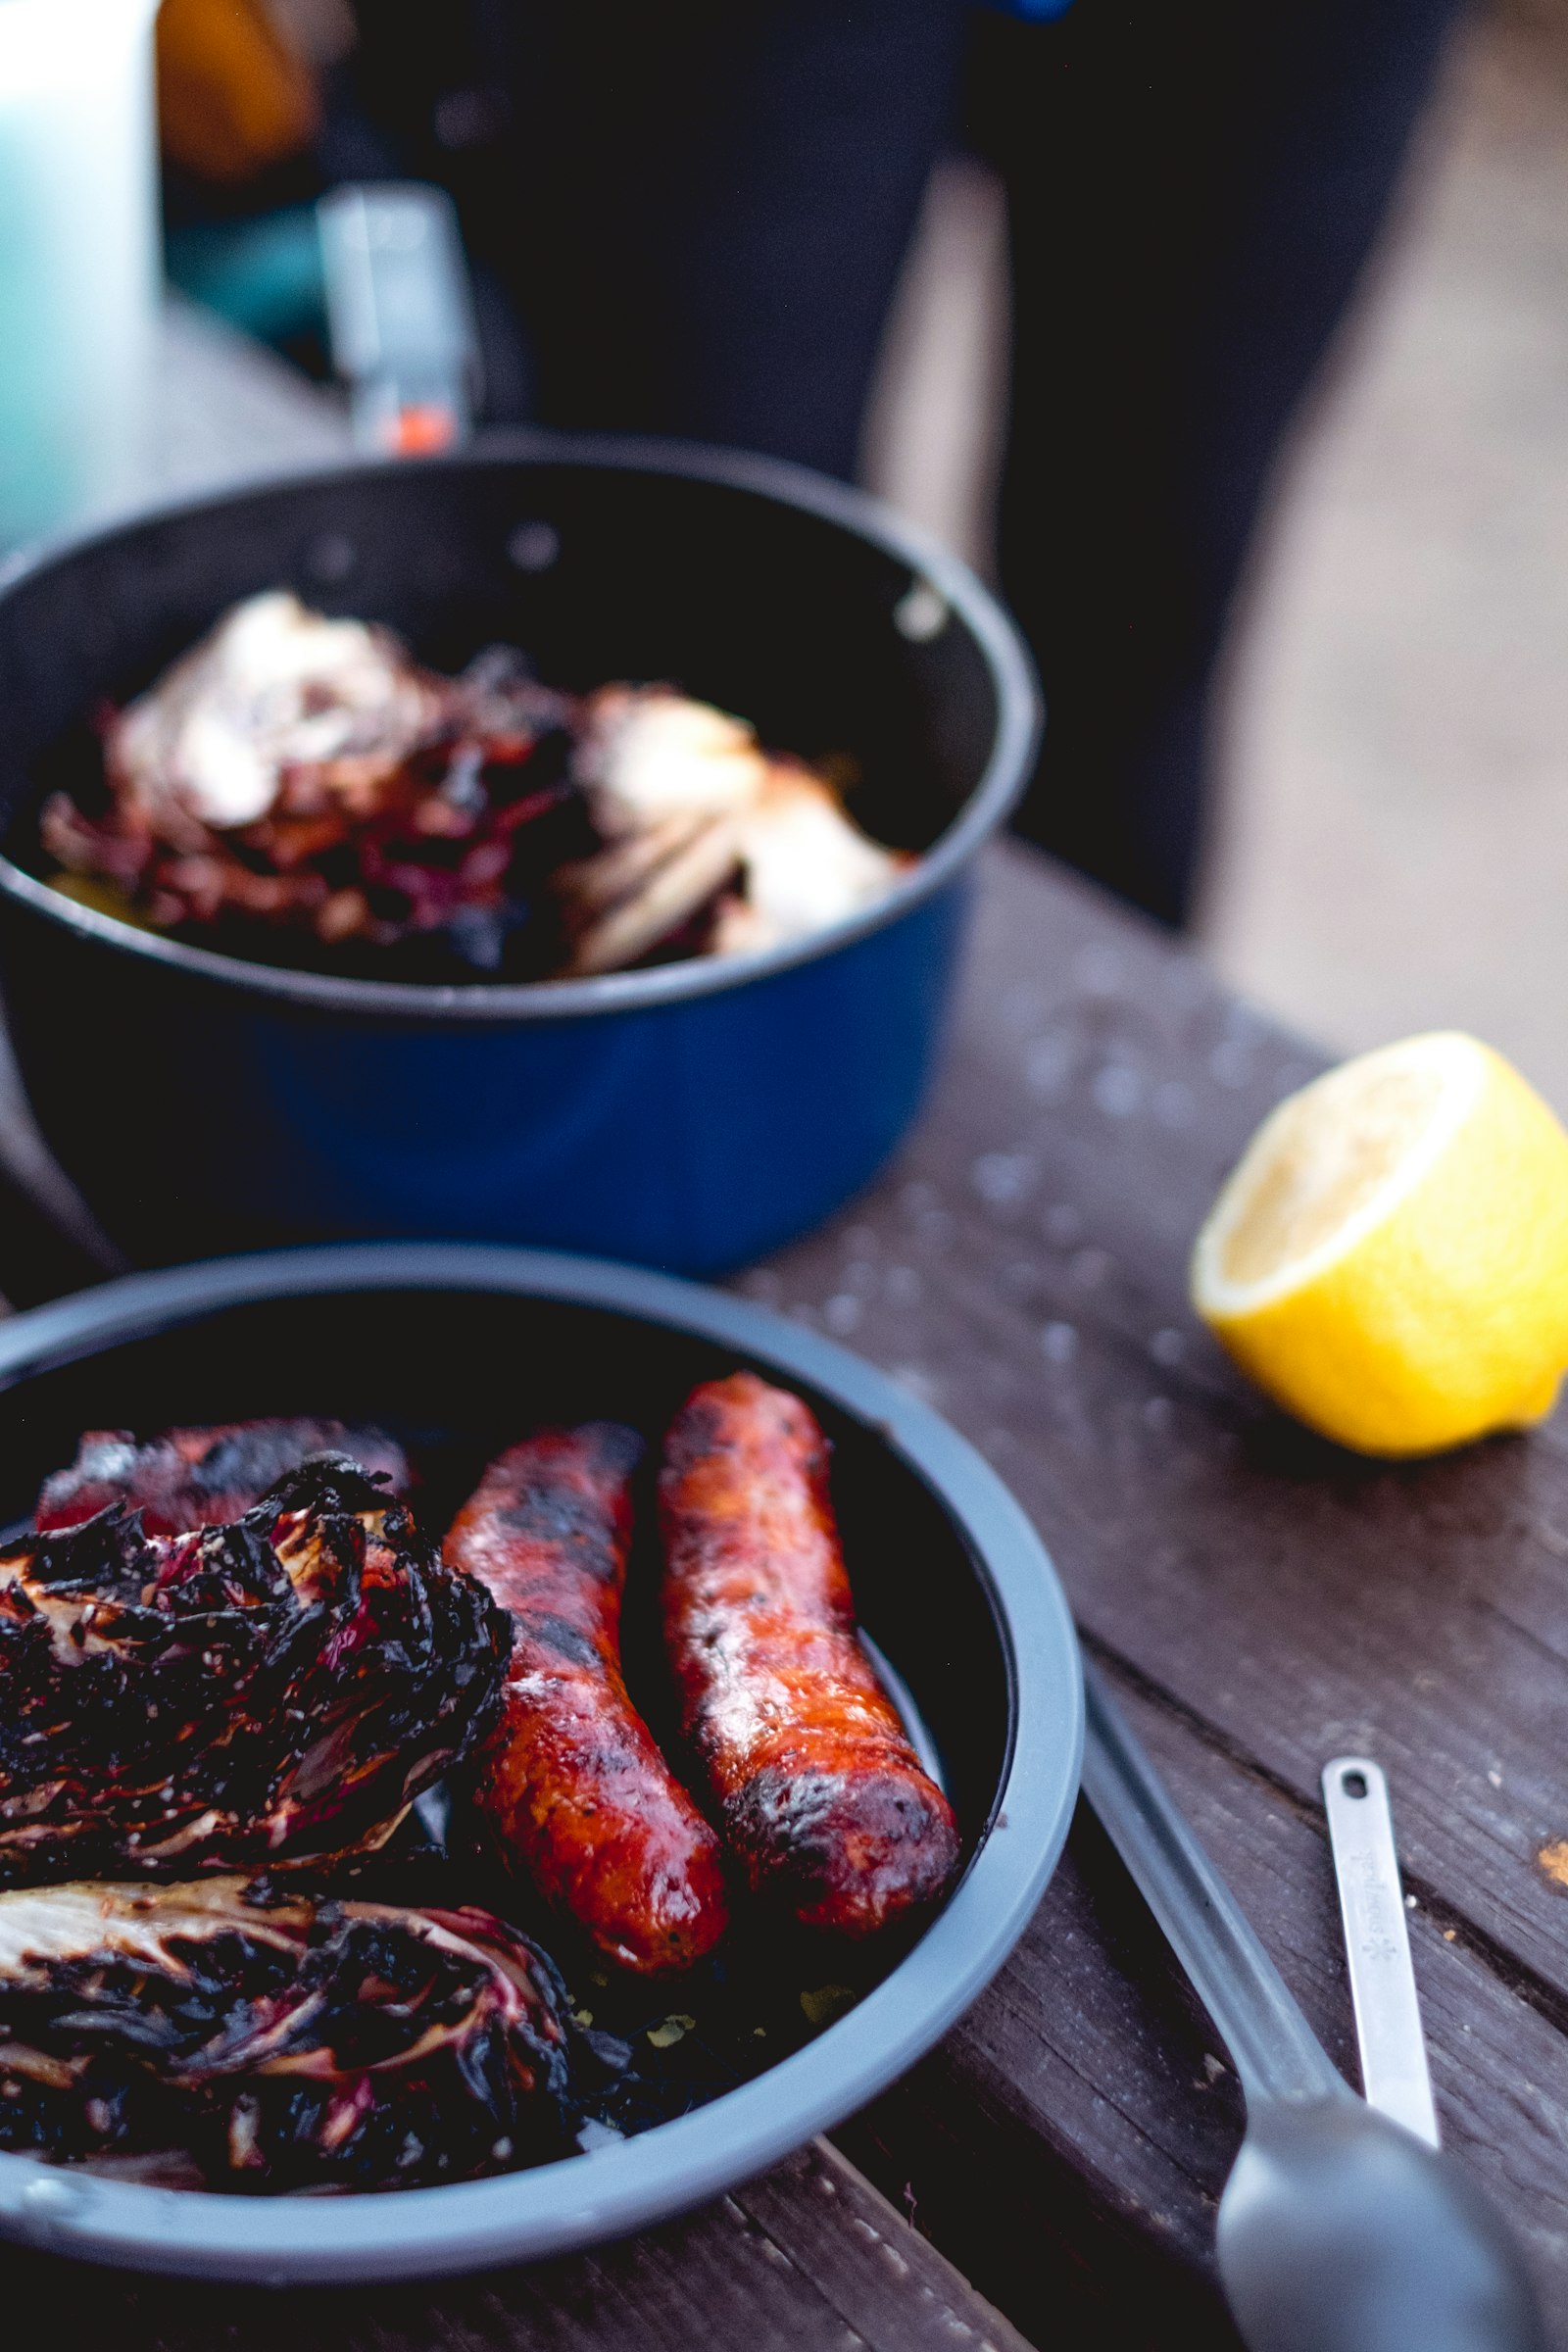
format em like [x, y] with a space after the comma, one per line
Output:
[1377, 1945]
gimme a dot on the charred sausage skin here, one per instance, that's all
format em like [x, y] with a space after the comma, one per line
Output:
[819, 1792]
[570, 1783]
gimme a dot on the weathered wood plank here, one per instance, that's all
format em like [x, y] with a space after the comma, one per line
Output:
[807, 2259]
[1089, 2073]
[1273, 1600]
[1024, 1267]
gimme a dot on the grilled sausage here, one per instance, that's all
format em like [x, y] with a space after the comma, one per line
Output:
[818, 1790]
[572, 1783]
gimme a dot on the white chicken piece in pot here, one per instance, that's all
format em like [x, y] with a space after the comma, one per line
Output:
[274, 688]
[687, 803]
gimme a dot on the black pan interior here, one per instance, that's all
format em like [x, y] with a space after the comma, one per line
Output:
[457, 1375]
[597, 572]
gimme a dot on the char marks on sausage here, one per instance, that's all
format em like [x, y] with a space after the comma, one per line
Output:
[820, 1794]
[572, 1783]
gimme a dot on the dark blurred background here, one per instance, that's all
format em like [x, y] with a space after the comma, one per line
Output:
[1387, 778]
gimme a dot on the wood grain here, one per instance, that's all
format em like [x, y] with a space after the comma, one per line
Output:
[807, 2259]
[1272, 1599]
[1261, 1600]
[1088, 2072]
[1024, 1267]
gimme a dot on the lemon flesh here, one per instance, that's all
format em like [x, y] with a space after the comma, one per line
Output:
[1390, 1258]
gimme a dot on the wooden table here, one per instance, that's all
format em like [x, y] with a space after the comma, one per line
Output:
[1259, 1599]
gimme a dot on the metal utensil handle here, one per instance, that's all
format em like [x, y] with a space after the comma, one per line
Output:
[1277, 2054]
[1377, 1942]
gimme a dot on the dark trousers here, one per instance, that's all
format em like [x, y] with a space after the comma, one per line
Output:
[699, 211]
[1193, 187]
[716, 199]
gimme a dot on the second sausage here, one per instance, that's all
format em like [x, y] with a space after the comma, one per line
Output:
[571, 1783]
[819, 1791]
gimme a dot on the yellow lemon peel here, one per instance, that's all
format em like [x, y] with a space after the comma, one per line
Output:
[1389, 1260]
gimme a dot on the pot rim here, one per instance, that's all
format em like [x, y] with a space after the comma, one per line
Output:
[1020, 721]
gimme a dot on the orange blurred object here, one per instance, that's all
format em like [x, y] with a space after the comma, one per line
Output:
[232, 98]
[421, 431]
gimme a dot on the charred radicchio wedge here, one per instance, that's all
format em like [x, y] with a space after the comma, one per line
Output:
[275, 1691]
[203, 1476]
[262, 2041]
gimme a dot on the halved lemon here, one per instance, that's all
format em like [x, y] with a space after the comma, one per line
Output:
[1390, 1258]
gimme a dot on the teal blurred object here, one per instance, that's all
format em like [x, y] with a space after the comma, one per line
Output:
[263, 275]
[78, 247]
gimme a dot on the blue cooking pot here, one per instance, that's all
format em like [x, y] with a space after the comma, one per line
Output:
[688, 1116]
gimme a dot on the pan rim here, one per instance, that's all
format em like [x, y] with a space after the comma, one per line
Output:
[479, 1004]
[610, 2191]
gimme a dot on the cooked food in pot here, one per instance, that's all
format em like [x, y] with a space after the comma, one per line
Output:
[819, 1792]
[276, 1692]
[233, 2037]
[203, 1476]
[300, 788]
[570, 1783]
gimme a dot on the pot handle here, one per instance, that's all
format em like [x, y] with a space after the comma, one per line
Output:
[50, 1241]
[43, 1256]
[400, 315]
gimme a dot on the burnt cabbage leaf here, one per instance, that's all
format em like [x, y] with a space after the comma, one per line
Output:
[203, 1476]
[272, 1692]
[225, 2033]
